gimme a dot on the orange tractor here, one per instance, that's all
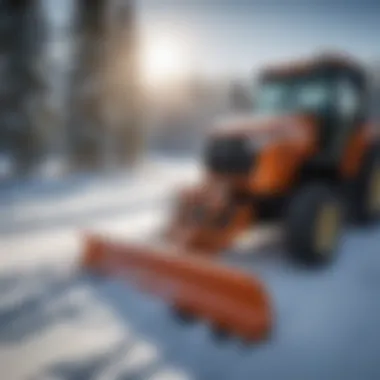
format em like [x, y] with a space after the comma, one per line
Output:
[307, 156]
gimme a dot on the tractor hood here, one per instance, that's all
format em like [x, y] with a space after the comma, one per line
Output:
[254, 126]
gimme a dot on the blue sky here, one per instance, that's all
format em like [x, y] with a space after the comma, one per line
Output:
[238, 35]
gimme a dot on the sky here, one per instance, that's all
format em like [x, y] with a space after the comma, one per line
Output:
[237, 36]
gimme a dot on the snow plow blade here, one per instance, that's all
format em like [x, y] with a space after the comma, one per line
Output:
[227, 298]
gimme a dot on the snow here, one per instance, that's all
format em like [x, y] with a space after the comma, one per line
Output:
[56, 322]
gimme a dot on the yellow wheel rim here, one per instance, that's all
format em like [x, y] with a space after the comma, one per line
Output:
[326, 228]
[374, 191]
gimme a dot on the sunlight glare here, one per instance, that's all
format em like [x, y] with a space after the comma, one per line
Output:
[164, 60]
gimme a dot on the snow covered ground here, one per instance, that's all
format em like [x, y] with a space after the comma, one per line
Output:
[58, 323]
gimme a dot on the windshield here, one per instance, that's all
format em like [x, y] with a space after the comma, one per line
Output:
[280, 95]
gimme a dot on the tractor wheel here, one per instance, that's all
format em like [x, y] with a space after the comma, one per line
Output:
[365, 199]
[313, 225]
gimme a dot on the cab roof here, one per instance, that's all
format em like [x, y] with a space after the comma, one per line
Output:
[325, 61]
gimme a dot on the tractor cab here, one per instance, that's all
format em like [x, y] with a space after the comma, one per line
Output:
[332, 90]
[328, 93]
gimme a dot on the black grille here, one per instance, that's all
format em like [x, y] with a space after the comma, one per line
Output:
[229, 155]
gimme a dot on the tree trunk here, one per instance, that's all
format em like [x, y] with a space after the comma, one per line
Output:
[85, 124]
[104, 100]
[21, 84]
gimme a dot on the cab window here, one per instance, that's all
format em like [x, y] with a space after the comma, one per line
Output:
[348, 100]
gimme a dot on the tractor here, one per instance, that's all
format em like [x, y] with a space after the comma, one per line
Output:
[305, 156]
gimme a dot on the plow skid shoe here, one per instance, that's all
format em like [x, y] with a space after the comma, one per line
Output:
[227, 298]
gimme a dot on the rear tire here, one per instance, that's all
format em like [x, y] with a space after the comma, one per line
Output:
[365, 200]
[313, 225]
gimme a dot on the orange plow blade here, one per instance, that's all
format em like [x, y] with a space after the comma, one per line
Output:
[228, 299]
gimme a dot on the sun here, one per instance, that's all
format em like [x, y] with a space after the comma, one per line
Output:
[164, 59]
